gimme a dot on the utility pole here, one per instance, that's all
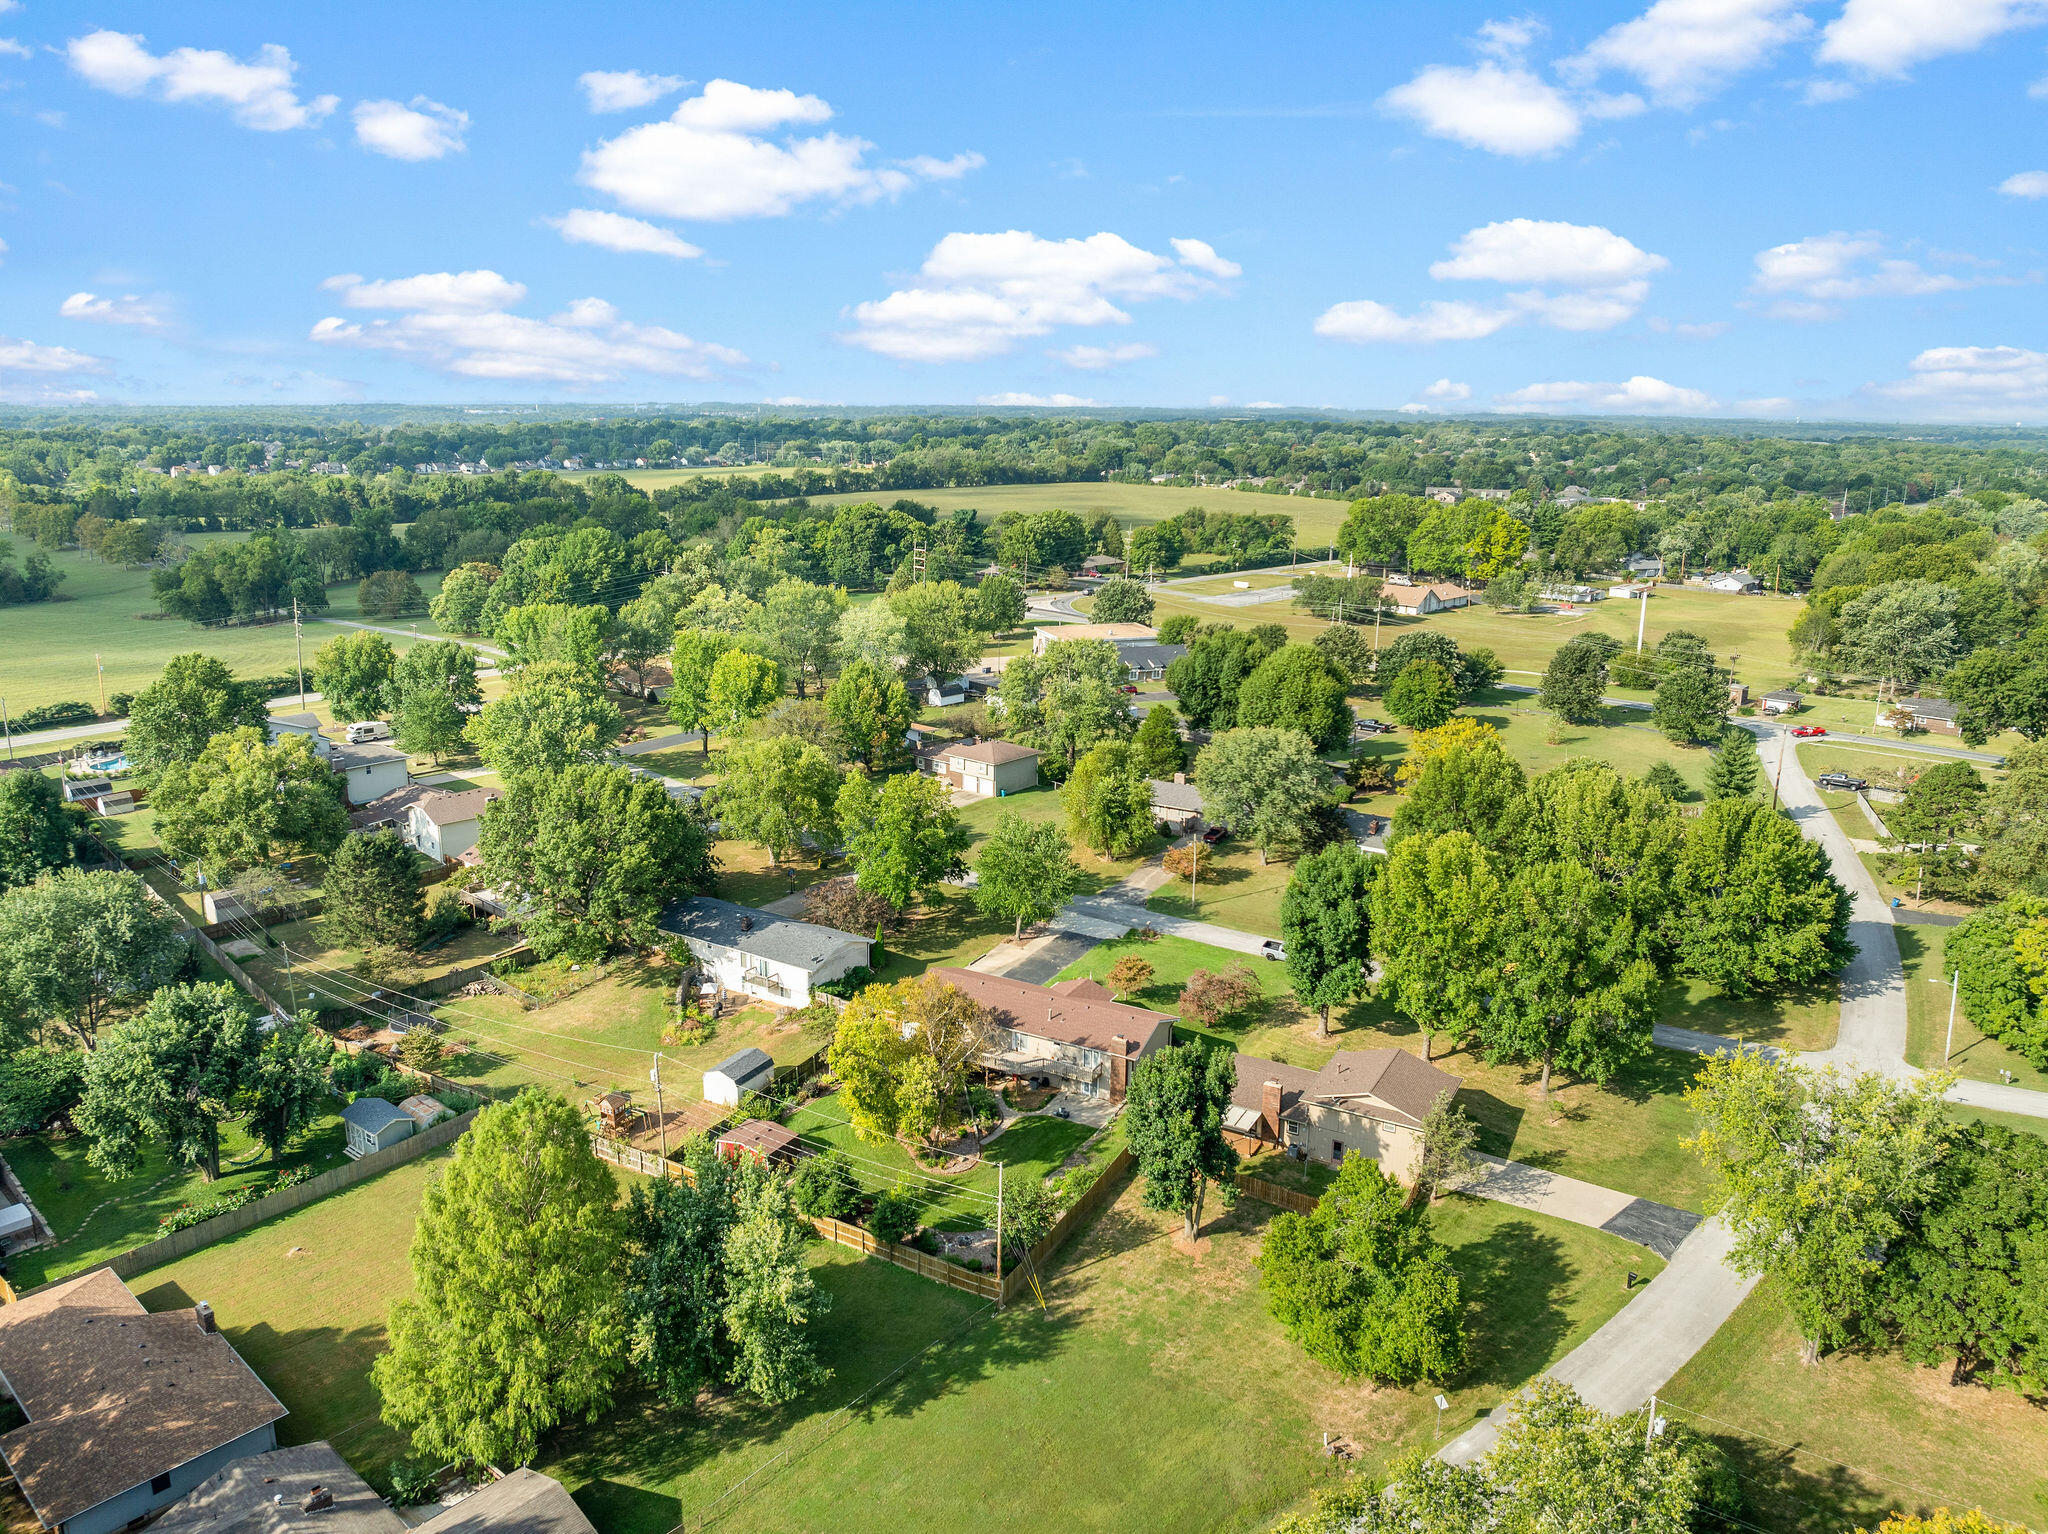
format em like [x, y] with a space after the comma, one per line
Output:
[1778, 772]
[298, 652]
[999, 1235]
[660, 1114]
[4, 725]
[1642, 620]
[100, 671]
[1949, 1044]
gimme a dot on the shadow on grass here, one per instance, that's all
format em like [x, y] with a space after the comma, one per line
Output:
[1516, 1279]
[1782, 1495]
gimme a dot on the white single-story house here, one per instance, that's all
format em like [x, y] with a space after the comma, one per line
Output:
[303, 726]
[1572, 495]
[372, 1124]
[1371, 1101]
[1935, 714]
[440, 822]
[126, 1411]
[1420, 601]
[777, 958]
[751, 1070]
[944, 692]
[369, 771]
[1074, 1035]
[1734, 580]
[1643, 564]
[988, 768]
[1573, 593]
[1784, 701]
[1178, 805]
[1053, 633]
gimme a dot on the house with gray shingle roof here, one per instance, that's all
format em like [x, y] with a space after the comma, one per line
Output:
[758, 953]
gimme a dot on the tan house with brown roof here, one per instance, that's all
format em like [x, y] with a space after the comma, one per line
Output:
[987, 768]
[1074, 1035]
[127, 1411]
[1420, 601]
[1368, 1101]
[1054, 633]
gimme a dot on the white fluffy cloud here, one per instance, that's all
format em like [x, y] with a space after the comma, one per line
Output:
[1640, 395]
[1503, 108]
[978, 294]
[2028, 183]
[1977, 381]
[440, 292]
[615, 231]
[258, 93]
[620, 90]
[458, 322]
[713, 159]
[1582, 276]
[1445, 389]
[1034, 399]
[1888, 37]
[1201, 255]
[1093, 358]
[32, 357]
[1683, 51]
[1808, 279]
[127, 309]
[420, 130]
[14, 47]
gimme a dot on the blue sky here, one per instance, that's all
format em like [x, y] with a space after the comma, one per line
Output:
[1732, 207]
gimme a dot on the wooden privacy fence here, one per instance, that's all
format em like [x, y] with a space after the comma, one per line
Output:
[153, 1254]
[1272, 1193]
[924, 1264]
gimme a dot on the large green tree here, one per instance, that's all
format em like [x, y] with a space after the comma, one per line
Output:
[872, 710]
[1069, 698]
[743, 686]
[1691, 705]
[1025, 872]
[591, 855]
[37, 833]
[1576, 678]
[674, 1282]
[1423, 696]
[940, 634]
[1436, 916]
[76, 945]
[773, 1302]
[1108, 800]
[246, 803]
[2004, 687]
[799, 622]
[1263, 783]
[516, 1322]
[1173, 1118]
[1122, 600]
[775, 792]
[352, 672]
[1934, 839]
[1468, 784]
[1735, 772]
[554, 716]
[1158, 748]
[1297, 688]
[1362, 1283]
[1209, 679]
[286, 1087]
[195, 699]
[169, 1076]
[372, 897]
[1755, 906]
[1818, 1174]
[1326, 920]
[903, 839]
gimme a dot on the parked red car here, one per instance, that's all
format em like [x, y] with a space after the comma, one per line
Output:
[1808, 731]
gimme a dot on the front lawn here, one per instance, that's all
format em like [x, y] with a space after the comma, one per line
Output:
[1841, 1443]
[1976, 1056]
[94, 1217]
[1624, 1135]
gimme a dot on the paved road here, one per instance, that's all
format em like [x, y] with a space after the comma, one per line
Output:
[379, 628]
[1644, 1221]
[43, 739]
[1647, 1341]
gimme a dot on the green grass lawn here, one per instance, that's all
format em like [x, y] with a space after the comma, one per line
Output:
[304, 1299]
[1624, 1135]
[1154, 1393]
[94, 1217]
[108, 611]
[1842, 1443]
[1881, 767]
[1032, 1148]
[1975, 1056]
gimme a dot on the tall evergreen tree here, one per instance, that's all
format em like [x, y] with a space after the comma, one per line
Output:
[1736, 773]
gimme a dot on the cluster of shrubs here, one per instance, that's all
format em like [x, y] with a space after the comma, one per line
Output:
[848, 985]
[185, 1216]
[51, 716]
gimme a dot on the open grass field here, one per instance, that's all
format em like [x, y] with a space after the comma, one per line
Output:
[1882, 768]
[1031, 1148]
[47, 648]
[1975, 1057]
[1839, 1444]
[654, 479]
[1154, 1393]
[1624, 1135]
[1315, 521]
[94, 1216]
[304, 1299]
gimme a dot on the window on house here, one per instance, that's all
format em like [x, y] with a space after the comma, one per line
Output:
[160, 1484]
[1336, 1150]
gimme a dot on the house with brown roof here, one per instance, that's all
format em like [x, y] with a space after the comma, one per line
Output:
[1054, 633]
[127, 1411]
[443, 823]
[1421, 601]
[987, 768]
[1075, 1035]
[1370, 1102]
[764, 1140]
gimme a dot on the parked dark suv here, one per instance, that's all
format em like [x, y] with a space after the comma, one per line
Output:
[1843, 781]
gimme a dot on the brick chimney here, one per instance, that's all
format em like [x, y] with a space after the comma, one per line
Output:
[203, 1313]
[1269, 1111]
[1181, 778]
[318, 1500]
[1119, 1067]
